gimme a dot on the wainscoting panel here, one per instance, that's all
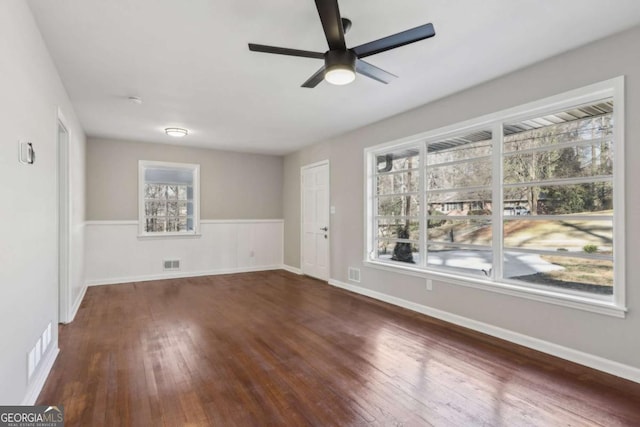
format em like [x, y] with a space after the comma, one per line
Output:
[115, 253]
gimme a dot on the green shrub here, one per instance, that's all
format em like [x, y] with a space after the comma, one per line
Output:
[590, 249]
[479, 212]
[436, 222]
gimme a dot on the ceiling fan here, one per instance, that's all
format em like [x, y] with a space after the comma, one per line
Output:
[342, 64]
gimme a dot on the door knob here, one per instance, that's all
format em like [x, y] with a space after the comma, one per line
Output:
[324, 229]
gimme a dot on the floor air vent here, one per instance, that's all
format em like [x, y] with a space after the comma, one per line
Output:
[354, 274]
[171, 264]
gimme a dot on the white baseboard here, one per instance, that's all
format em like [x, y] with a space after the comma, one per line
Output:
[290, 269]
[180, 275]
[592, 361]
[35, 387]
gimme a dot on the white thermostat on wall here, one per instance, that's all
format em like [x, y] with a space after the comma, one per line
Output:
[27, 155]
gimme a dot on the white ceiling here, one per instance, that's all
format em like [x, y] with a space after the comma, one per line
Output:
[189, 61]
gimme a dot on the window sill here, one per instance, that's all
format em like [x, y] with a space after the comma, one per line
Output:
[160, 236]
[564, 300]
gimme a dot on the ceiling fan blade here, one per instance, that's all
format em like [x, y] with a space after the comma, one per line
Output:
[374, 72]
[315, 79]
[391, 42]
[331, 23]
[285, 51]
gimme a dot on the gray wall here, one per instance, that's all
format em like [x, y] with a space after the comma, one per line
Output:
[608, 337]
[32, 94]
[232, 185]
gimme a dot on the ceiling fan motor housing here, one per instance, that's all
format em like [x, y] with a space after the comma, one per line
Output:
[344, 59]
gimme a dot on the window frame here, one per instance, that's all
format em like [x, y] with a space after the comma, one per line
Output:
[143, 165]
[614, 306]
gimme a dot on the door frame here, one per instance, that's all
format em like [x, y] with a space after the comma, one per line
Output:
[64, 217]
[302, 170]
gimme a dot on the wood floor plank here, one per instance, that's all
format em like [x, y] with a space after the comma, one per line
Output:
[274, 348]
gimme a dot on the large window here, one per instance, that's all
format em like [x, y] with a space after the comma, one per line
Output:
[527, 200]
[168, 198]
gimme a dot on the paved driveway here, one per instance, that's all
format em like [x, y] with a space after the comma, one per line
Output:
[474, 261]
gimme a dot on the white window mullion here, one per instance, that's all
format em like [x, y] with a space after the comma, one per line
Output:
[393, 172]
[560, 254]
[389, 195]
[557, 146]
[497, 177]
[561, 181]
[557, 217]
[374, 208]
[424, 217]
[461, 161]
[459, 245]
[461, 189]
[463, 217]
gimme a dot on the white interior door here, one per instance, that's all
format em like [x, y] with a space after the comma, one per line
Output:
[315, 220]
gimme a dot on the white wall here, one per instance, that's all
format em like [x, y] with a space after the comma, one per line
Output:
[240, 201]
[600, 337]
[115, 254]
[31, 93]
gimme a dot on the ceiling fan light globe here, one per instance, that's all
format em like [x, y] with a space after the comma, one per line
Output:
[340, 75]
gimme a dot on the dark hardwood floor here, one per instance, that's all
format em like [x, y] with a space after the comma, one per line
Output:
[277, 349]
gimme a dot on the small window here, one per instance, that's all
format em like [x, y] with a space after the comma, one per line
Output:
[168, 198]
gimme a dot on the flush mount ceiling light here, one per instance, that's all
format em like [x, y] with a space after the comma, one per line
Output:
[177, 132]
